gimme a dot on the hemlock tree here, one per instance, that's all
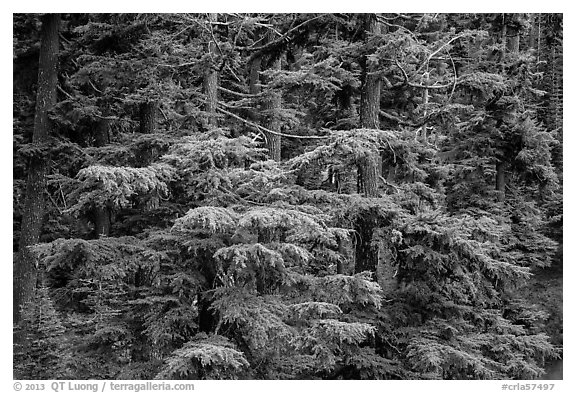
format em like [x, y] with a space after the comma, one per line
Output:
[25, 269]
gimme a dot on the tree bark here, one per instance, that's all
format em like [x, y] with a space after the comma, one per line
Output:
[369, 165]
[254, 76]
[25, 271]
[553, 82]
[501, 168]
[366, 252]
[370, 95]
[210, 82]
[369, 176]
[102, 214]
[369, 110]
[273, 104]
[148, 110]
[511, 44]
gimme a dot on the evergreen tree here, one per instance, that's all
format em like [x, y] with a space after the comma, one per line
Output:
[295, 196]
[25, 272]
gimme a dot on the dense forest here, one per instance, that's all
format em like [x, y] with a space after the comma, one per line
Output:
[287, 196]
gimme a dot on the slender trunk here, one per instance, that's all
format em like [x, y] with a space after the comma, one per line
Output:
[102, 214]
[533, 35]
[148, 110]
[513, 41]
[25, 272]
[386, 270]
[210, 82]
[102, 134]
[366, 251]
[504, 43]
[369, 167]
[510, 44]
[346, 264]
[501, 168]
[273, 105]
[254, 86]
[425, 82]
[370, 96]
[254, 76]
[102, 220]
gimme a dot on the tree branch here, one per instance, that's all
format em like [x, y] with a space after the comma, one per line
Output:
[266, 130]
[397, 119]
[455, 78]
[438, 87]
[259, 50]
[239, 94]
[436, 52]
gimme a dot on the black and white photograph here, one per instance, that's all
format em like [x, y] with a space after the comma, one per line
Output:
[287, 196]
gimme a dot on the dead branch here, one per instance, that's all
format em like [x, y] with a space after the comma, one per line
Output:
[267, 130]
[259, 50]
[239, 94]
[455, 78]
[437, 51]
[397, 119]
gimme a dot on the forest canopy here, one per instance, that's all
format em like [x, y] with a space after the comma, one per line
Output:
[287, 196]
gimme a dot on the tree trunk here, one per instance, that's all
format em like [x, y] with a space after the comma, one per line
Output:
[501, 168]
[369, 165]
[511, 44]
[369, 176]
[553, 83]
[370, 96]
[210, 82]
[366, 252]
[148, 110]
[273, 104]
[254, 76]
[254, 86]
[369, 110]
[25, 272]
[102, 214]
[102, 135]
[386, 269]
[513, 41]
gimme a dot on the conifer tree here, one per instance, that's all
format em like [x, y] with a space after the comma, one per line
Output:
[25, 272]
[369, 241]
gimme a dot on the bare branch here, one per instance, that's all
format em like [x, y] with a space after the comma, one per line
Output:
[455, 78]
[437, 87]
[66, 93]
[239, 94]
[389, 184]
[397, 119]
[284, 36]
[266, 130]
[404, 74]
[437, 51]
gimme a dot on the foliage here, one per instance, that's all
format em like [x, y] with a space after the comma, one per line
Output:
[220, 263]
